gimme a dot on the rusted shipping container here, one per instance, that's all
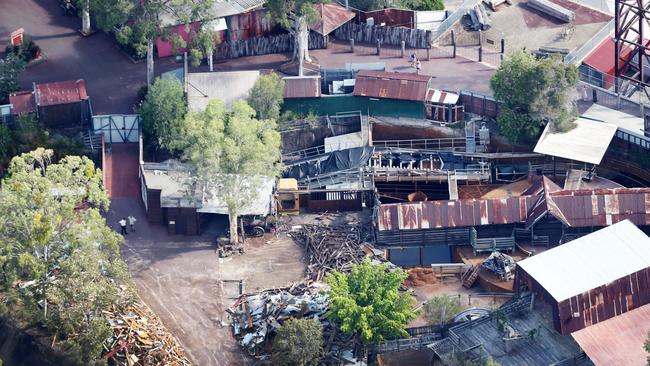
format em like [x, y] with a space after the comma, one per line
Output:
[392, 85]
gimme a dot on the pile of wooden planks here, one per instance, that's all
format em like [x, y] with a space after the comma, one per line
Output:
[336, 247]
[553, 10]
[139, 338]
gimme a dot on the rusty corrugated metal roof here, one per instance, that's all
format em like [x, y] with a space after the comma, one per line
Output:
[22, 101]
[391, 85]
[584, 208]
[332, 16]
[302, 87]
[61, 92]
[460, 213]
[617, 341]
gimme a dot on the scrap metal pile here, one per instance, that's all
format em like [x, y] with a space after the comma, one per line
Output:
[139, 338]
[501, 264]
[255, 319]
[333, 247]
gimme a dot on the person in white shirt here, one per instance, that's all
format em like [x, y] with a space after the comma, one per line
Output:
[123, 226]
[132, 221]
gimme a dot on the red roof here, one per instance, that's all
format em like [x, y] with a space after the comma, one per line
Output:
[331, 17]
[301, 87]
[602, 57]
[391, 85]
[22, 101]
[618, 340]
[582, 208]
[61, 92]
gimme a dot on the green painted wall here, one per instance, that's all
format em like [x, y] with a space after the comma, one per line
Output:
[346, 103]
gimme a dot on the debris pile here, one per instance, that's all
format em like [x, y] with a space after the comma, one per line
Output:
[333, 247]
[255, 319]
[139, 338]
[501, 264]
[420, 277]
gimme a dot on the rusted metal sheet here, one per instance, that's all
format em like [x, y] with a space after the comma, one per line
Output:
[250, 24]
[603, 207]
[618, 341]
[446, 214]
[332, 16]
[22, 101]
[390, 17]
[302, 87]
[60, 92]
[391, 85]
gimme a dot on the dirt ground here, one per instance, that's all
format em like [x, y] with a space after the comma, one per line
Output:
[180, 278]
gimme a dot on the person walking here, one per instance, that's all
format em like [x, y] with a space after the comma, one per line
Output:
[123, 226]
[418, 66]
[132, 221]
[412, 59]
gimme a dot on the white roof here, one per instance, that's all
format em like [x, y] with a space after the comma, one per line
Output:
[342, 142]
[171, 179]
[225, 86]
[622, 120]
[590, 261]
[442, 97]
[587, 142]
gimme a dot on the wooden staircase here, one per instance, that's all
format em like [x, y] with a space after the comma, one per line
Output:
[469, 278]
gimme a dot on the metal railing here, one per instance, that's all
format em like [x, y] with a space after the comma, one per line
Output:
[577, 55]
[446, 144]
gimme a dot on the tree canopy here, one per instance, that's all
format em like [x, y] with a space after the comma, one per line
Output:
[60, 262]
[299, 342]
[266, 96]
[367, 301]
[230, 154]
[440, 309]
[534, 92]
[10, 68]
[163, 111]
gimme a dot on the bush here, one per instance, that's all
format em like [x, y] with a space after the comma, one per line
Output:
[442, 308]
[298, 342]
[27, 51]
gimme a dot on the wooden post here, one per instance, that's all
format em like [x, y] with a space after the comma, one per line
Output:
[352, 45]
[378, 47]
[428, 53]
[503, 45]
[403, 48]
[453, 43]
[480, 53]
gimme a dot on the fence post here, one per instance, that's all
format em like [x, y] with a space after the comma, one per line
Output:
[503, 46]
[403, 48]
[453, 42]
[480, 53]
[378, 47]
[428, 53]
[352, 45]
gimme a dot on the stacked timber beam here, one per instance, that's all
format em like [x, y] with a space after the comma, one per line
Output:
[336, 247]
[553, 10]
[479, 19]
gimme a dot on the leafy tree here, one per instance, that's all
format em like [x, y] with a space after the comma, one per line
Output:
[299, 342]
[10, 68]
[533, 93]
[60, 262]
[230, 155]
[368, 301]
[295, 16]
[368, 5]
[267, 96]
[163, 111]
[423, 5]
[442, 308]
[141, 22]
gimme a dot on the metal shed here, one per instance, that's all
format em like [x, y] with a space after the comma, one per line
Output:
[591, 279]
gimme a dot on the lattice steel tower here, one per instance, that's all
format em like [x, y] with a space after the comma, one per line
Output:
[631, 43]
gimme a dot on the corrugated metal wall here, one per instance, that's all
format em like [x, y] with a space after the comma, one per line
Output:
[255, 23]
[596, 305]
[420, 256]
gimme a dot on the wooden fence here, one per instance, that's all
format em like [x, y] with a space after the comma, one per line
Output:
[479, 104]
[281, 43]
[392, 36]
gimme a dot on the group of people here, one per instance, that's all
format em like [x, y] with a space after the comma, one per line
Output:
[415, 62]
[131, 220]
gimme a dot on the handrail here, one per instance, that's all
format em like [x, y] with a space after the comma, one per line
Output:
[577, 55]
